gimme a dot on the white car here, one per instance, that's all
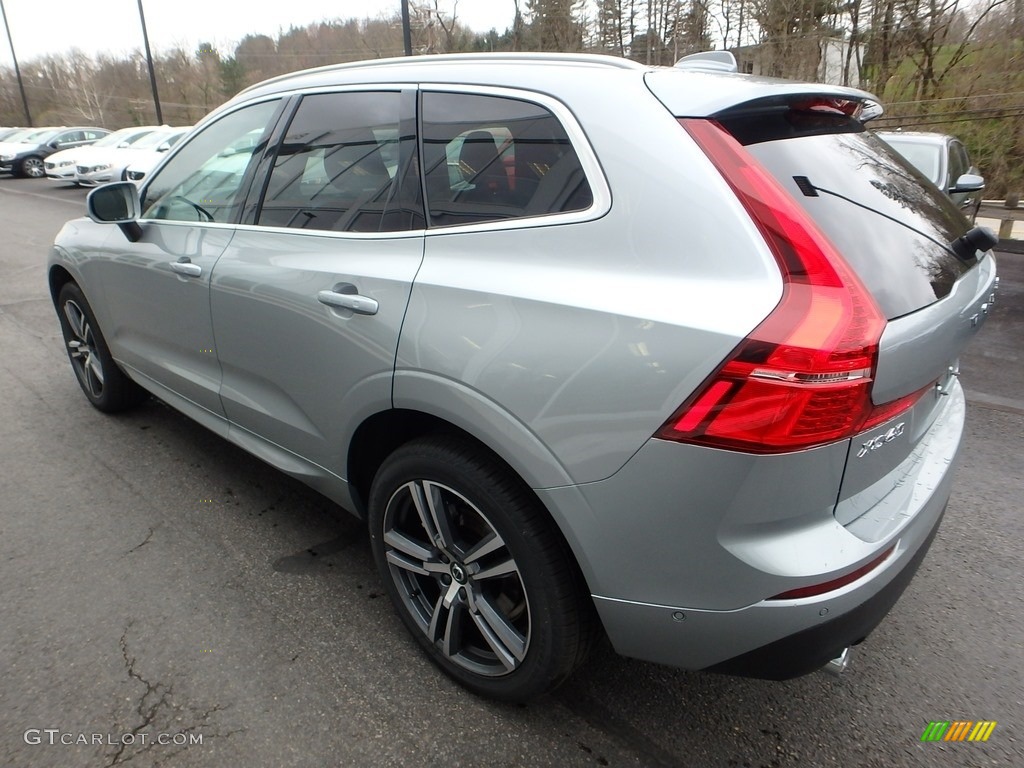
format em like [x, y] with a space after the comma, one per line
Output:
[106, 160]
[151, 150]
[61, 167]
[10, 143]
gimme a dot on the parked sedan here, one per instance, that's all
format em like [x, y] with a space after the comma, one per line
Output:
[62, 167]
[150, 151]
[28, 156]
[106, 160]
[14, 136]
[945, 161]
[664, 353]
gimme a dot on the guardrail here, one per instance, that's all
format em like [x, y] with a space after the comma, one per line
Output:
[1011, 203]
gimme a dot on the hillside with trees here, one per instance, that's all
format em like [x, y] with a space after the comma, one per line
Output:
[954, 66]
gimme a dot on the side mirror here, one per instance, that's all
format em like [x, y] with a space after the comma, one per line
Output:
[123, 145]
[969, 182]
[56, 144]
[164, 147]
[116, 203]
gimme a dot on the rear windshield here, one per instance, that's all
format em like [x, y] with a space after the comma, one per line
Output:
[867, 199]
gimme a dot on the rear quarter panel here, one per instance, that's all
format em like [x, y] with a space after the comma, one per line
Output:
[588, 335]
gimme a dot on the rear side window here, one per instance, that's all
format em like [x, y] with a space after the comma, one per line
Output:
[340, 167]
[491, 158]
[891, 226]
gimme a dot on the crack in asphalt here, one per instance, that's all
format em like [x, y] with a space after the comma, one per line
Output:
[143, 543]
[156, 701]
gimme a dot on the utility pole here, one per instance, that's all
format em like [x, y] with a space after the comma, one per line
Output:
[17, 70]
[152, 72]
[406, 28]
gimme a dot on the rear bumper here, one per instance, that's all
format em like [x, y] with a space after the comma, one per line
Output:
[812, 648]
[772, 639]
[684, 548]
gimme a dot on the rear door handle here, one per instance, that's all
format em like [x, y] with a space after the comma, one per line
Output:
[185, 267]
[344, 296]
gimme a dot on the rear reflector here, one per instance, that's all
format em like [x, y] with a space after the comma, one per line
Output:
[834, 584]
[803, 377]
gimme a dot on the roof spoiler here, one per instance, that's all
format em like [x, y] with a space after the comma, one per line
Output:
[709, 61]
[861, 106]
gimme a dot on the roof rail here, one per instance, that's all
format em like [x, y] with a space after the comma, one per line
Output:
[709, 61]
[598, 59]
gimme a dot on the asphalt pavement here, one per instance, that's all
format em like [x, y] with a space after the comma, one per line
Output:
[157, 585]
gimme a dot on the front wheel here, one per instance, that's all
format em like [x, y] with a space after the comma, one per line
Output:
[32, 167]
[477, 570]
[103, 383]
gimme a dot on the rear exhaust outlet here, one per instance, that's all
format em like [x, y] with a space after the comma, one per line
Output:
[839, 664]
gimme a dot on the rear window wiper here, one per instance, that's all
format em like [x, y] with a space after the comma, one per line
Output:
[964, 247]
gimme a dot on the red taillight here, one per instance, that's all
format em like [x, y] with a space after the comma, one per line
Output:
[831, 586]
[803, 376]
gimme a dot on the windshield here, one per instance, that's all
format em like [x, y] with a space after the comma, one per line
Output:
[19, 135]
[151, 140]
[124, 136]
[925, 157]
[36, 136]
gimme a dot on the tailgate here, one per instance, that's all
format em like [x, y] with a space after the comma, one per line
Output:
[893, 467]
[894, 228]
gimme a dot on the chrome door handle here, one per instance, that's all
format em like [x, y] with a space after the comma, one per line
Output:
[362, 305]
[186, 267]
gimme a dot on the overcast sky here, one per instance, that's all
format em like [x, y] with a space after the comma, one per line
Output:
[39, 27]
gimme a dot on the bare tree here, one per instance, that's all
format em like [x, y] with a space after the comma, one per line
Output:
[937, 49]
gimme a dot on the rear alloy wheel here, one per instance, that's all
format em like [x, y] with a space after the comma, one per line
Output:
[103, 383]
[32, 167]
[477, 571]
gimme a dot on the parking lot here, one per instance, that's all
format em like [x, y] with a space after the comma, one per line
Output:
[158, 581]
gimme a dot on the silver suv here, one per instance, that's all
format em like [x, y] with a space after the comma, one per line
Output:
[668, 354]
[943, 159]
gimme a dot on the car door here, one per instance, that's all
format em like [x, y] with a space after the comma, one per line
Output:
[156, 290]
[308, 301]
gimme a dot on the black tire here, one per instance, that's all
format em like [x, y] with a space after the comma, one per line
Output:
[104, 384]
[524, 589]
[32, 167]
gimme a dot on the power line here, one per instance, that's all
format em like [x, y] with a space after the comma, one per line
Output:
[977, 112]
[915, 123]
[965, 98]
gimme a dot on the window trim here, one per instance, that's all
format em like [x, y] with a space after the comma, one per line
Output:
[602, 198]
